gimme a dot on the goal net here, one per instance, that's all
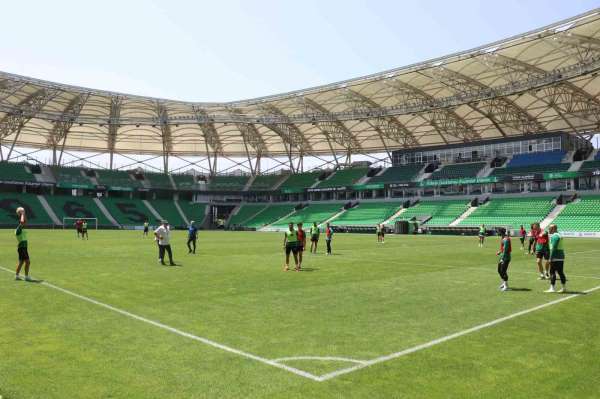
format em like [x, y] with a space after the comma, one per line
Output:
[69, 223]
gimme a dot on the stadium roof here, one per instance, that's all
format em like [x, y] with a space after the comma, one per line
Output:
[543, 80]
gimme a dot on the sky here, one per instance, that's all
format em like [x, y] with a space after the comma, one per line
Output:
[230, 50]
[227, 50]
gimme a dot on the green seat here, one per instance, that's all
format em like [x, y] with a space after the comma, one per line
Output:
[367, 214]
[511, 212]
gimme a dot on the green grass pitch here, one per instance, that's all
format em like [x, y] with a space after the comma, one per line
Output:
[366, 301]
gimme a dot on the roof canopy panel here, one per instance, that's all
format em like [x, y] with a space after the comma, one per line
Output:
[541, 81]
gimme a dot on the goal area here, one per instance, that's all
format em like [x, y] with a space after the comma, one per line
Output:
[69, 222]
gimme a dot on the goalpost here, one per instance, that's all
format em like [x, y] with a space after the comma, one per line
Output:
[69, 222]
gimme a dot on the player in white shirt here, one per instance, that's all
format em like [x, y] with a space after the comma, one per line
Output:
[163, 236]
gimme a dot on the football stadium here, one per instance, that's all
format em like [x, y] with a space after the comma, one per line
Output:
[429, 231]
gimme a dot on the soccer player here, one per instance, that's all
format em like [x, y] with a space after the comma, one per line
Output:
[146, 225]
[192, 236]
[77, 225]
[504, 261]
[163, 236]
[557, 260]
[84, 230]
[542, 252]
[290, 244]
[532, 237]
[21, 235]
[314, 237]
[382, 233]
[481, 235]
[522, 235]
[378, 231]
[301, 245]
[328, 237]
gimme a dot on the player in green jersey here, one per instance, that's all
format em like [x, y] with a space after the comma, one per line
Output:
[481, 235]
[557, 260]
[21, 235]
[504, 261]
[290, 244]
[84, 230]
[314, 237]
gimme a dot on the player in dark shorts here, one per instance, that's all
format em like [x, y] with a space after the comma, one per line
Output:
[301, 245]
[328, 237]
[542, 252]
[504, 261]
[84, 230]
[78, 227]
[314, 237]
[522, 234]
[533, 231]
[192, 237]
[146, 225]
[557, 260]
[21, 235]
[290, 244]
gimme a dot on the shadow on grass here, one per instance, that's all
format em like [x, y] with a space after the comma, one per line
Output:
[519, 289]
[34, 281]
[309, 269]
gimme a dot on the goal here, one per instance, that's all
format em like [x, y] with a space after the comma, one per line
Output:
[69, 222]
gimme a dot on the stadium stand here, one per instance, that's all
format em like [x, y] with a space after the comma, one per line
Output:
[36, 214]
[159, 180]
[269, 215]
[128, 212]
[300, 181]
[15, 171]
[185, 182]
[594, 164]
[228, 183]
[245, 212]
[167, 210]
[194, 211]
[77, 207]
[535, 162]
[458, 170]
[367, 214]
[312, 213]
[582, 215]
[265, 182]
[71, 176]
[344, 177]
[510, 212]
[442, 212]
[116, 178]
[398, 174]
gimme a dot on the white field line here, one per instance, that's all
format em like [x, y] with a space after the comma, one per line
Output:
[320, 358]
[360, 363]
[205, 341]
[438, 341]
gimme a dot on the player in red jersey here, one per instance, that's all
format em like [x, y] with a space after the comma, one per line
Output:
[301, 245]
[542, 252]
[79, 227]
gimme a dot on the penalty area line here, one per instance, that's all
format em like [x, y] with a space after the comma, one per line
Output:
[176, 331]
[446, 338]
